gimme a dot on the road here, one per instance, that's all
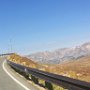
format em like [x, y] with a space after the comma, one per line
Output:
[10, 80]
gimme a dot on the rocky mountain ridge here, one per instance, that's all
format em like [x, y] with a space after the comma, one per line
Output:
[61, 55]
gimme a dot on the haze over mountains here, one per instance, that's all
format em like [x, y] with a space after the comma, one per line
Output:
[62, 54]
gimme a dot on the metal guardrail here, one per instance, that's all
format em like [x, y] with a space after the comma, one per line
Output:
[66, 82]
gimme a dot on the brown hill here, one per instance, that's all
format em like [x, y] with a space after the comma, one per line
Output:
[22, 60]
[79, 69]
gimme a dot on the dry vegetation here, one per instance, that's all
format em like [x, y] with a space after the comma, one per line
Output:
[78, 69]
[22, 60]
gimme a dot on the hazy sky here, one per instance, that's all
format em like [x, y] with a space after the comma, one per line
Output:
[30, 26]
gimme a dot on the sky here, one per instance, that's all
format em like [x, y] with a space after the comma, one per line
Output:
[29, 26]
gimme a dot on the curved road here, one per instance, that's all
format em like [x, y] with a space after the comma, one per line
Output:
[13, 81]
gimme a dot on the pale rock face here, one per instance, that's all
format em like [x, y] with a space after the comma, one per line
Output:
[61, 55]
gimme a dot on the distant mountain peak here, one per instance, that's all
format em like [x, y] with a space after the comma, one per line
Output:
[62, 54]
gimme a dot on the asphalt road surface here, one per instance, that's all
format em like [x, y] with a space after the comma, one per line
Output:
[10, 80]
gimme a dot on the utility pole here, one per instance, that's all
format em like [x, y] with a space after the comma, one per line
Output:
[10, 46]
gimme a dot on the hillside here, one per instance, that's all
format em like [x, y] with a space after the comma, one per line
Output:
[25, 61]
[61, 55]
[79, 69]
[22, 60]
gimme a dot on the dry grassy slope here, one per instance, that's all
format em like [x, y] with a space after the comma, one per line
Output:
[79, 69]
[22, 60]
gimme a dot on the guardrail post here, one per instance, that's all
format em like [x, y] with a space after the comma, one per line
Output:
[48, 85]
[34, 79]
[26, 76]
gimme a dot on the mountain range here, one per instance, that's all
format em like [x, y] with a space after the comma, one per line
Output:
[61, 55]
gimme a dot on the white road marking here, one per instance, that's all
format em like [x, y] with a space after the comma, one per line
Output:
[3, 65]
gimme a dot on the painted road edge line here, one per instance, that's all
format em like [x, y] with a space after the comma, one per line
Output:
[3, 65]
